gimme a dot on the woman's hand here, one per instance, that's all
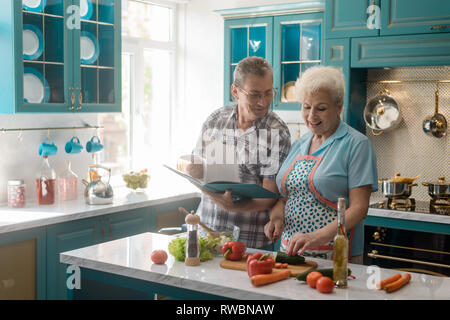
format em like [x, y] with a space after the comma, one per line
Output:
[275, 226]
[303, 241]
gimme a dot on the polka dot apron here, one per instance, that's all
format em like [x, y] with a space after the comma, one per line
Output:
[306, 210]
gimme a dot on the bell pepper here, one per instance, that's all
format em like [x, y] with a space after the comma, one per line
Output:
[259, 263]
[233, 250]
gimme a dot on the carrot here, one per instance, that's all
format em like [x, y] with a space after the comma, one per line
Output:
[394, 286]
[284, 265]
[277, 265]
[262, 279]
[383, 283]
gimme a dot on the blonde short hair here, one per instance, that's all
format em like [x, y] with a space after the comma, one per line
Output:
[321, 78]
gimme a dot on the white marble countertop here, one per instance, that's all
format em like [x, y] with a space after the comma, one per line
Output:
[131, 257]
[163, 188]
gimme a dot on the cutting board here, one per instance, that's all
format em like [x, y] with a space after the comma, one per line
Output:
[295, 269]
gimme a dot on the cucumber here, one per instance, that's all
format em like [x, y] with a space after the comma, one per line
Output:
[284, 258]
[324, 272]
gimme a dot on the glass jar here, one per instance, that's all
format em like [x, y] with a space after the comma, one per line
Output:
[46, 183]
[16, 193]
[68, 184]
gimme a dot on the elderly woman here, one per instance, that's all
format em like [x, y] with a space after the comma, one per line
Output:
[331, 161]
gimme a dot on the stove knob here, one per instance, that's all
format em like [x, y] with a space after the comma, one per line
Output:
[376, 236]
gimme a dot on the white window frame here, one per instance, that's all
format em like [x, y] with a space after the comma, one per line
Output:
[136, 46]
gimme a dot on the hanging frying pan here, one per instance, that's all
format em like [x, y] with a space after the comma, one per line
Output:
[435, 125]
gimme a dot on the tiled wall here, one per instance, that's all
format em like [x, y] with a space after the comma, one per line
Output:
[407, 149]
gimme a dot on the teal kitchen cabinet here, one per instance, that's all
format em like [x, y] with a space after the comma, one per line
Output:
[414, 16]
[392, 51]
[23, 265]
[337, 54]
[245, 38]
[349, 18]
[65, 237]
[125, 224]
[297, 46]
[85, 232]
[55, 61]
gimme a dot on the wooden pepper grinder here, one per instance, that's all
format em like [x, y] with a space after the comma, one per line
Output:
[192, 242]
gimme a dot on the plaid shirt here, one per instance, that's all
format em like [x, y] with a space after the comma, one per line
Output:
[260, 152]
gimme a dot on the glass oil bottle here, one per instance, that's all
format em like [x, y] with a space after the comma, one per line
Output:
[340, 255]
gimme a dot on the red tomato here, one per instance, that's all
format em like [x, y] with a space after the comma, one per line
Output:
[159, 256]
[325, 285]
[312, 278]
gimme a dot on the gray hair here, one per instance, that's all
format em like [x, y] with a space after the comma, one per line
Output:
[251, 66]
[321, 78]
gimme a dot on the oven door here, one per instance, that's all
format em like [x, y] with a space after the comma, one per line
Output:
[406, 250]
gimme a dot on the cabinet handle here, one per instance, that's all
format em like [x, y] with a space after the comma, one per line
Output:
[439, 27]
[374, 254]
[72, 99]
[80, 98]
[103, 230]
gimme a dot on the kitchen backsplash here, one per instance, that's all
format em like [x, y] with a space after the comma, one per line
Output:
[407, 149]
[19, 157]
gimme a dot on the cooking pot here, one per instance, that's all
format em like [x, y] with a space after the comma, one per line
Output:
[439, 189]
[382, 113]
[392, 188]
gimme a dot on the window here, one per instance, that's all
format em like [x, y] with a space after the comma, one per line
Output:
[140, 136]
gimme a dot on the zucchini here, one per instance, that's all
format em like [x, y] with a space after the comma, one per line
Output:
[284, 258]
[324, 272]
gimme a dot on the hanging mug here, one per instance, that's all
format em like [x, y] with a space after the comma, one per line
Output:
[94, 145]
[47, 148]
[73, 146]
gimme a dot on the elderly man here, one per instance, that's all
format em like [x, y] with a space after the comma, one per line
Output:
[261, 142]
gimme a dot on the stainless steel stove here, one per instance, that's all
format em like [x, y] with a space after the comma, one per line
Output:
[411, 205]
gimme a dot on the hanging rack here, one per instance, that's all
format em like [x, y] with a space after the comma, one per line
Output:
[4, 130]
[405, 81]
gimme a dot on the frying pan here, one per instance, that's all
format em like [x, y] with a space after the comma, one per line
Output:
[435, 125]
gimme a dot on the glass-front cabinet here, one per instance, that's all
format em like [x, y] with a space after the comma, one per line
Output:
[245, 38]
[99, 61]
[292, 43]
[297, 47]
[64, 56]
[45, 59]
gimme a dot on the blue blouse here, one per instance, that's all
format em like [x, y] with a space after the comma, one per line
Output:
[348, 161]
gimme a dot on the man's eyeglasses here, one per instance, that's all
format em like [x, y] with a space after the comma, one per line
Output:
[255, 97]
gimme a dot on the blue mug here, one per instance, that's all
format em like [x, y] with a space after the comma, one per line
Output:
[94, 145]
[47, 148]
[73, 146]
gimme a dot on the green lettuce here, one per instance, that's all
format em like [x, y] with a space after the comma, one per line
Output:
[208, 247]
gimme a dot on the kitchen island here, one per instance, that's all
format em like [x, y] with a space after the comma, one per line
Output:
[125, 263]
[48, 230]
